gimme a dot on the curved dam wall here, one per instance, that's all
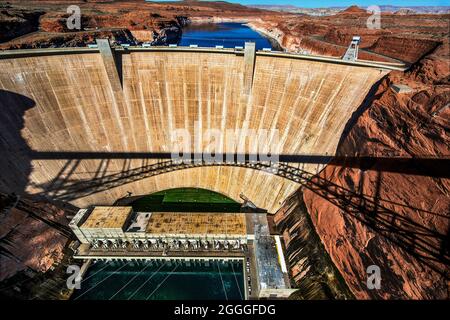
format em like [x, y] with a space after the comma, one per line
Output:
[72, 102]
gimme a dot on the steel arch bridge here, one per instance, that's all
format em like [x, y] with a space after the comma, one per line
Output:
[65, 190]
[373, 212]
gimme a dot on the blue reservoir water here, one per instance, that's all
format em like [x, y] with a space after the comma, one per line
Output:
[228, 34]
[158, 280]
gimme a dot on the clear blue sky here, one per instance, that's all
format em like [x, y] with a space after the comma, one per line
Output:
[346, 3]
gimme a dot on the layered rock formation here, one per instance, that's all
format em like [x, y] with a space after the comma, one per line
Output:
[155, 23]
[352, 10]
[406, 38]
[398, 222]
[370, 217]
[73, 39]
[33, 248]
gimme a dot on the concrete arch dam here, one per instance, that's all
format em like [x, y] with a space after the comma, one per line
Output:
[106, 100]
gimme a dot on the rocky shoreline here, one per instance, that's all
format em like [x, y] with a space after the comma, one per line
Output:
[170, 34]
[273, 34]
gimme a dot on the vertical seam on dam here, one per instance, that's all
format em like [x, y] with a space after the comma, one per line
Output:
[249, 66]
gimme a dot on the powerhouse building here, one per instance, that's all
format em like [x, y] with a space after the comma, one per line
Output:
[121, 233]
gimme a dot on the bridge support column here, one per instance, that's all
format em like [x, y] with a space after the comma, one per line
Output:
[249, 66]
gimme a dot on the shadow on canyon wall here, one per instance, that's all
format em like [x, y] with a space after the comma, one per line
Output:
[370, 97]
[425, 244]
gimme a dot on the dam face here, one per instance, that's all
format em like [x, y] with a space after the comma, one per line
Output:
[73, 101]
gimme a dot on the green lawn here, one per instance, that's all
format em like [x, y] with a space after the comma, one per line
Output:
[186, 200]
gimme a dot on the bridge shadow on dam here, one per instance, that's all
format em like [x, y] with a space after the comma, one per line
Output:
[426, 244]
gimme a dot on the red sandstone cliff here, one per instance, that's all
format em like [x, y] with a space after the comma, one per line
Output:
[157, 23]
[28, 239]
[33, 239]
[399, 222]
[406, 38]
[353, 10]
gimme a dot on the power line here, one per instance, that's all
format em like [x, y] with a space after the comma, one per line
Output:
[161, 283]
[107, 265]
[148, 264]
[223, 284]
[120, 268]
[237, 283]
[146, 281]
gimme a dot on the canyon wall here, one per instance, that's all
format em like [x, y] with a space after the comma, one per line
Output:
[396, 38]
[34, 253]
[15, 23]
[395, 221]
[42, 24]
[65, 102]
[311, 268]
